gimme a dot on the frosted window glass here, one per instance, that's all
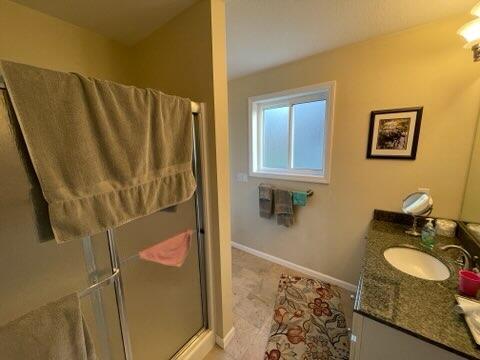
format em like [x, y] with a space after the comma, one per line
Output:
[308, 135]
[275, 138]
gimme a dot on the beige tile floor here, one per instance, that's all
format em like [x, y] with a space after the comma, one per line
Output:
[255, 283]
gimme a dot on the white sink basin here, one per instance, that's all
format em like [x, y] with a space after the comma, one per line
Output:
[416, 263]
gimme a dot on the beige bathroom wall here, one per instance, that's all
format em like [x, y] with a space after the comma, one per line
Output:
[471, 200]
[31, 37]
[222, 164]
[187, 57]
[423, 66]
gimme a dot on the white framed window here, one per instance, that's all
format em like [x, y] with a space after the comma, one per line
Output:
[291, 132]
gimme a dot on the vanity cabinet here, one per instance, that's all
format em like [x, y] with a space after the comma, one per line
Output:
[372, 340]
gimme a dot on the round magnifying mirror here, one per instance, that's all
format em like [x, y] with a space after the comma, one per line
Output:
[417, 204]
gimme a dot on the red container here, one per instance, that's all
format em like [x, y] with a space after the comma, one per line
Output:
[468, 283]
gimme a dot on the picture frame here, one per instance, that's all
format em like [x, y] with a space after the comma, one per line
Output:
[394, 133]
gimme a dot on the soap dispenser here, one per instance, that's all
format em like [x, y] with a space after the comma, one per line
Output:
[428, 234]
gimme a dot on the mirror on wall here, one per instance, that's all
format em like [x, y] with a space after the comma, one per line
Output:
[471, 201]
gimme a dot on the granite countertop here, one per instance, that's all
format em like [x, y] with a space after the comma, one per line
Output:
[419, 307]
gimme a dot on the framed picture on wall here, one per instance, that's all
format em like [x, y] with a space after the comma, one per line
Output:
[394, 133]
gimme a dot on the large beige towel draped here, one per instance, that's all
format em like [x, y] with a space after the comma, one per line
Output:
[104, 153]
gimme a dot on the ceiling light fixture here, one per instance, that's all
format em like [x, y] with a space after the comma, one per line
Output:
[471, 33]
[476, 10]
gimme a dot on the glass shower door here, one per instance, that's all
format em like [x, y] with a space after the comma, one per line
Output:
[163, 304]
[166, 306]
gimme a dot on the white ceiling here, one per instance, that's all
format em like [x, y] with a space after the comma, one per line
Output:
[260, 33]
[126, 21]
[266, 33]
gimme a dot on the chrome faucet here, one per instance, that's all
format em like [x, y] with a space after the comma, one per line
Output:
[465, 257]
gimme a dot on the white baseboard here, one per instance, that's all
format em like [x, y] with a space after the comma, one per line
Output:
[315, 274]
[223, 342]
[199, 348]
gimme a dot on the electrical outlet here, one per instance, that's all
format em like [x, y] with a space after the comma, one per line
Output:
[242, 177]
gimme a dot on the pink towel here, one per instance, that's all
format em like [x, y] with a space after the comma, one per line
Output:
[171, 252]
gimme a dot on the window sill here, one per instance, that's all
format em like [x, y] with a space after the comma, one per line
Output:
[319, 179]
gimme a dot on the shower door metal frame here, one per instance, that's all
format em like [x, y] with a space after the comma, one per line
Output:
[119, 295]
[199, 216]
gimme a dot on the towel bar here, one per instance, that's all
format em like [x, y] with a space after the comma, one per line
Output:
[195, 105]
[105, 282]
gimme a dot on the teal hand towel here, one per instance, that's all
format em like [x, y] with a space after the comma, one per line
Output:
[300, 198]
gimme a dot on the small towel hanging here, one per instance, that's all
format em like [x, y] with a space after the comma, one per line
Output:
[300, 197]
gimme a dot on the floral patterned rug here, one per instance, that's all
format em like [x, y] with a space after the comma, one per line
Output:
[308, 323]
